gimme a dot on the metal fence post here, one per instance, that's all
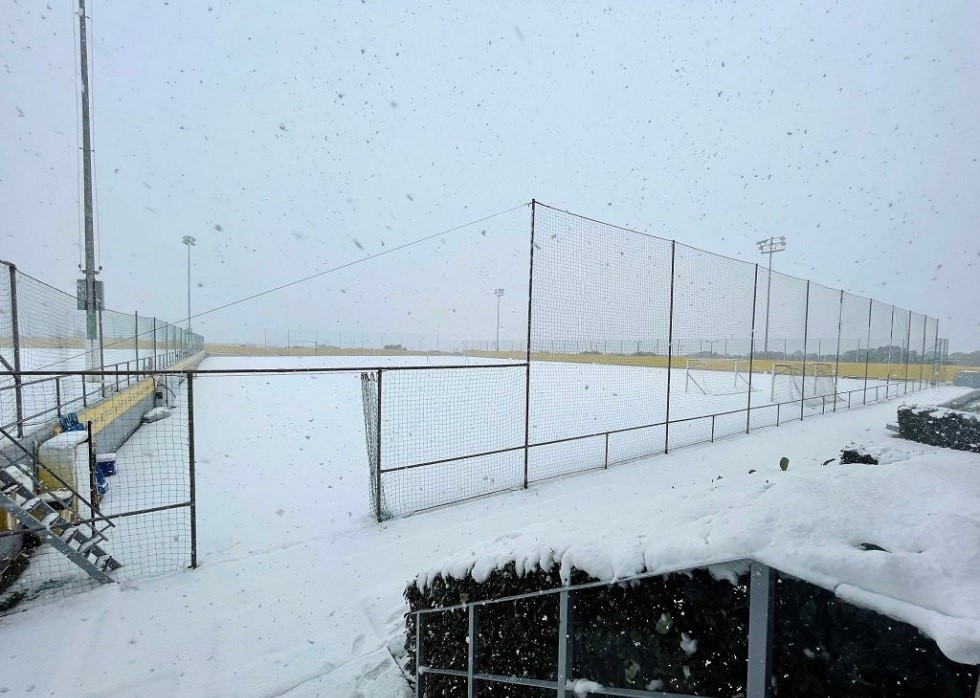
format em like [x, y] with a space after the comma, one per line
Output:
[748, 407]
[937, 359]
[888, 372]
[102, 356]
[922, 356]
[908, 347]
[566, 633]
[377, 481]
[191, 468]
[419, 654]
[867, 354]
[840, 320]
[527, 359]
[670, 346]
[136, 337]
[15, 330]
[806, 327]
[93, 488]
[762, 603]
[472, 650]
[154, 364]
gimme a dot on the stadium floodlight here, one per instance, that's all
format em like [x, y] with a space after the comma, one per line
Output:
[770, 247]
[190, 242]
[498, 293]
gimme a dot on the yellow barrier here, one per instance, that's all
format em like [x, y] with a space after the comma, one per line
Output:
[845, 369]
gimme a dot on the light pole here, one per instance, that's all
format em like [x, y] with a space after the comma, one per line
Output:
[190, 242]
[770, 247]
[498, 293]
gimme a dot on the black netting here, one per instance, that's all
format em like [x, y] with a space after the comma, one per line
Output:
[448, 434]
[599, 339]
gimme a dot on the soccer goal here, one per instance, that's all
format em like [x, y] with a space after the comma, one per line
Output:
[716, 376]
[791, 382]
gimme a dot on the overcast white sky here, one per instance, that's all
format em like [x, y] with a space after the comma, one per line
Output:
[315, 133]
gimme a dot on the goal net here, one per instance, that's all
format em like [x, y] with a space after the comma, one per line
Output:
[369, 398]
[812, 383]
[716, 376]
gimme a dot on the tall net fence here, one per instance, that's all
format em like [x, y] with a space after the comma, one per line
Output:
[43, 328]
[588, 343]
[443, 434]
[638, 345]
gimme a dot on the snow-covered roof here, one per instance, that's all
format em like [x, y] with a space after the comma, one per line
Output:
[922, 505]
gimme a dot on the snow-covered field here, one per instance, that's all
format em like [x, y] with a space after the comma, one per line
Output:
[299, 591]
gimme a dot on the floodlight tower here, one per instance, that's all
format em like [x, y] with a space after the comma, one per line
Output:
[498, 293]
[190, 242]
[770, 247]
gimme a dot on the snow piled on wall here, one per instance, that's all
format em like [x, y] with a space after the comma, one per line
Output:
[923, 509]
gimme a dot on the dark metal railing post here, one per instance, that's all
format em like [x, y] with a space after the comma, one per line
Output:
[605, 462]
[527, 359]
[93, 490]
[102, 356]
[840, 320]
[154, 364]
[888, 371]
[192, 474]
[15, 330]
[748, 407]
[762, 611]
[419, 654]
[922, 356]
[867, 352]
[377, 475]
[806, 324]
[136, 337]
[908, 347]
[566, 633]
[472, 650]
[670, 346]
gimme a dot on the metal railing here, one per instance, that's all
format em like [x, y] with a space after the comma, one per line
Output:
[124, 374]
[760, 630]
[44, 329]
[806, 406]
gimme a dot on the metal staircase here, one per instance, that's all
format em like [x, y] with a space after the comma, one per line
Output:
[43, 511]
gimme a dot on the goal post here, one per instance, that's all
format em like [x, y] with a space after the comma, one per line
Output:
[792, 381]
[716, 376]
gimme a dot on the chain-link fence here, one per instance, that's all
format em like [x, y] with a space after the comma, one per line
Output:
[96, 463]
[636, 345]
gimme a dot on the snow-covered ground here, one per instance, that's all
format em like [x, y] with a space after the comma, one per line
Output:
[298, 591]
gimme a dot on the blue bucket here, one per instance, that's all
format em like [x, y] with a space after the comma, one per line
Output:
[101, 484]
[105, 464]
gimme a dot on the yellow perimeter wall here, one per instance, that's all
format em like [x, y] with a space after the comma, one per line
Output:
[844, 369]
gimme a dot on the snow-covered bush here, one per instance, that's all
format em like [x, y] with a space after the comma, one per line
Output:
[938, 426]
